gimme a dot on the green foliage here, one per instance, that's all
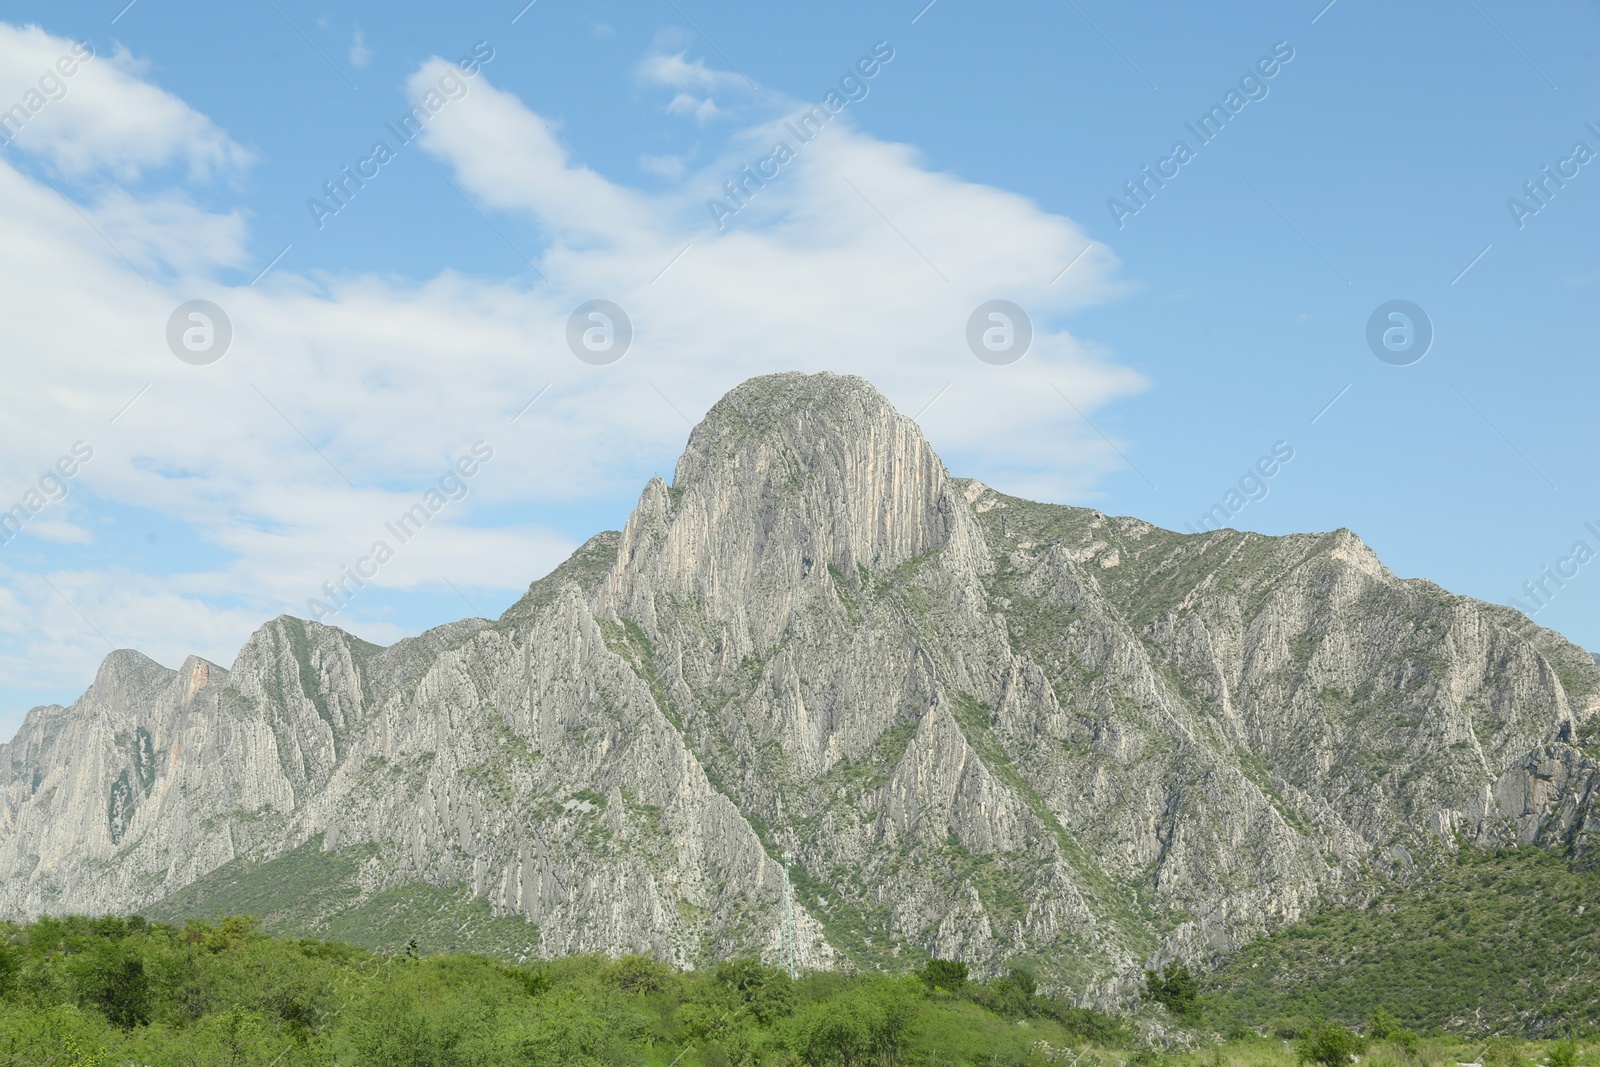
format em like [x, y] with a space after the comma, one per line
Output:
[638, 974]
[1329, 1045]
[1175, 989]
[10, 965]
[1504, 1052]
[1564, 1053]
[111, 977]
[949, 975]
[1496, 941]
[1385, 1027]
[870, 1027]
[1382, 1026]
[766, 992]
[107, 992]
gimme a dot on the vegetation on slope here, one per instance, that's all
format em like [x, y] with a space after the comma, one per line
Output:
[1504, 941]
[309, 892]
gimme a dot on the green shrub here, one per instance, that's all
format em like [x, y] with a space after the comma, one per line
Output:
[533, 980]
[1385, 1027]
[1564, 1053]
[1504, 1052]
[111, 978]
[766, 992]
[638, 974]
[858, 1030]
[1329, 1045]
[1088, 1024]
[1175, 989]
[949, 975]
[1491, 940]
[10, 965]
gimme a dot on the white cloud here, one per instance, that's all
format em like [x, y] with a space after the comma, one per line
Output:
[169, 231]
[360, 54]
[671, 168]
[856, 258]
[693, 82]
[703, 110]
[675, 71]
[102, 116]
[123, 609]
[59, 531]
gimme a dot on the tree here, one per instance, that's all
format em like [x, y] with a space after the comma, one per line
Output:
[854, 1030]
[112, 978]
[639, 974]
[949, 975]
[767, 992]
[1175, 989]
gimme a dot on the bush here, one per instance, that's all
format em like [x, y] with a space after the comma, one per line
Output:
[1385, 1027]
[533, 980]
[1088, 1024]
[1504, 1052]
[1175, 989]
[111, 978]
[10, 964]
[949, 975]
[857, 1030]
[767, 992]
[1013, 996]
[1329, 1045]
[1564, 1053]
[1289, 1027]
[638, 974]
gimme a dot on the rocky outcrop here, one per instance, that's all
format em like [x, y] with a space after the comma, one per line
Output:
[981, 727]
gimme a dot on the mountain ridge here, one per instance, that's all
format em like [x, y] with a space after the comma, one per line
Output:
[984, 727]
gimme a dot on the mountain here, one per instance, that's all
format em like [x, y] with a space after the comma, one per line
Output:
[984, 728]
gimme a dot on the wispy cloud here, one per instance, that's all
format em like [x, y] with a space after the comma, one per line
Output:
[360, 54]
[387, 378]
[105, 117]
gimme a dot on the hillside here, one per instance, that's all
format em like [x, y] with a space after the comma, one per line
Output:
[1505, 941]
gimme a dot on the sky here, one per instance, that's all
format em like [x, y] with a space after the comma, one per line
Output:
[276, 278]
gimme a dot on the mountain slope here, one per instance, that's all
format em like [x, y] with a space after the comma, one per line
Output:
[983, 728]
[1500, 942]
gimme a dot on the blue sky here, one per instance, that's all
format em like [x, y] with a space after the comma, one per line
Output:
[1173, 346]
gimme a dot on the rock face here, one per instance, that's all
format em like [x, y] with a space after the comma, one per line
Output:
[984, 728]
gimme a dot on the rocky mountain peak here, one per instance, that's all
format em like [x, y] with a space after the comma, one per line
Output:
[122, 674]
[788, 477]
